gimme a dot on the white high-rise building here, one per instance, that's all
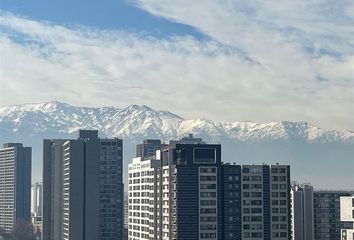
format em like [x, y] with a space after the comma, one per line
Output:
[143, 194]
[36, 199]
[347, 215]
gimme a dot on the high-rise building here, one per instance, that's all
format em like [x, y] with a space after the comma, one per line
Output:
[188, 140]
[36, 199]
[327, 223]
[185, 192]
[232, 202]
[15, 185]
[87, 172]
[256, 202]
[148, 148]
[302, 212]
[52, 189]
[347, 217]
[142, 219]
[190, 191]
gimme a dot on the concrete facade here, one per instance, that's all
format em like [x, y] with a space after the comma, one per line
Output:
[15, 185]
[52, 189]
[87, 173]
[36, 199]
[142, 213]
[302, 212]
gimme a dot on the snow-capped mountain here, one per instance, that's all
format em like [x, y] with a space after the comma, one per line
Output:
[313, 153]
[141, 121]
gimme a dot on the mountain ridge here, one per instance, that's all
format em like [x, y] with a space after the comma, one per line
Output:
[322, 157]
[141, 120]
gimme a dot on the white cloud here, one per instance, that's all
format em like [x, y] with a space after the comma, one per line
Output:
[264, 62]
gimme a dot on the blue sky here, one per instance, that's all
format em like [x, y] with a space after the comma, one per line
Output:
[107, 14]
[226, 60]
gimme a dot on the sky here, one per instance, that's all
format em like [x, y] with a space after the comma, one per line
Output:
[222, 60]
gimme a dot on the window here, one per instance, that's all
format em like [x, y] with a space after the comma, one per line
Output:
[282, 178]
[256, 202]
[204, 155]
[246, 202]
[208, 194]
[207, 186]
[255, 170]
[208, 210]
[208, 170]
[246, 178]
[256, 218]
[256, 210]
[256, 194]
[207, 178]
[207, 202]
[256, 178]
[256, 186]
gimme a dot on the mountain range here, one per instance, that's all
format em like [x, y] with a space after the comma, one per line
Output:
[322, 157]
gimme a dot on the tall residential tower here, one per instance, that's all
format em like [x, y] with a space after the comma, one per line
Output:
[36, 199]
[87, 173]
[15, 185]
[302, 212]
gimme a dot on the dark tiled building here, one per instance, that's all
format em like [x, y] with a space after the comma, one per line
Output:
[148, 148]
[15, 185]
[327, 224]
[190, 196]
[231, 204]
[256, 202]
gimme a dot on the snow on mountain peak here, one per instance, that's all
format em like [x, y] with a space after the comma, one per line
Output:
[141, 121]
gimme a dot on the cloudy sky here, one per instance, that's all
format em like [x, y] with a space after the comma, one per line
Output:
[225, 60]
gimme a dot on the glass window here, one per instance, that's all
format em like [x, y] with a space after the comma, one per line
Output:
[204, 155]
